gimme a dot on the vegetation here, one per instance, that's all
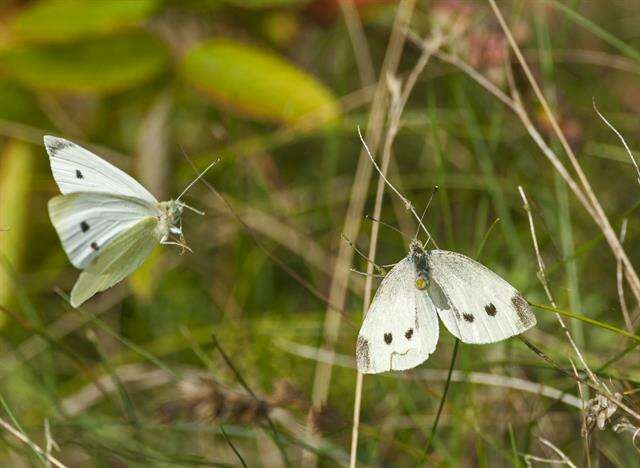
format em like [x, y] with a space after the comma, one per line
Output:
[242, 352]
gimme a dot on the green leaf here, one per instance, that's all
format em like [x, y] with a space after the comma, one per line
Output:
[256, 83]
[99, 66]
[67, 20]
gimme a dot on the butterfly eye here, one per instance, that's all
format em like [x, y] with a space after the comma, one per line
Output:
[421, 283]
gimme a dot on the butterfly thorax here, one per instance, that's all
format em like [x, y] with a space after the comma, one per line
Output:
[418, 256]
[169, 220]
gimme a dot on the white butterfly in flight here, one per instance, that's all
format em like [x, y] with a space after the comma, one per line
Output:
[107, 222]
[401, 327]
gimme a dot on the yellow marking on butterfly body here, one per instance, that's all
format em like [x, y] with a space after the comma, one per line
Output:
[421, 283]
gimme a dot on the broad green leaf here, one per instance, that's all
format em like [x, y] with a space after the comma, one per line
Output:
[16, 167]
[103, 65]
[67, 20]
[256, 83]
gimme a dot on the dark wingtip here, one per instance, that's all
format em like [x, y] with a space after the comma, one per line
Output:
[525, 315]
[362, 354]
[55, 144]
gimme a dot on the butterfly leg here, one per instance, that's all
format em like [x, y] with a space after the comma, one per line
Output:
[353, 270]
[165, 241]
[381, 269]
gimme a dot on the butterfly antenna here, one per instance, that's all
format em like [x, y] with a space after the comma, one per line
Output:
[424, 212]
[197, 179]
[407, 203]
[387, 225]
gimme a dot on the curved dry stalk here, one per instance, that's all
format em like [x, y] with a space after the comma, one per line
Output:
[598, 214]
[563, 460]
[543, 279]
[619, 135]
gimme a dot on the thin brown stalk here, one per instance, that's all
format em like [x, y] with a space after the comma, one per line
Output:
[353, 217]
[620, 283]
[583, 402]
[598, 215]
[399, 96]
[358, 42]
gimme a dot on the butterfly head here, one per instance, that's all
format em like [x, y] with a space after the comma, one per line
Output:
[170, 223]
[418, 256]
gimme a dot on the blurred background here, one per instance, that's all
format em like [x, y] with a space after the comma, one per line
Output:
[276, 89]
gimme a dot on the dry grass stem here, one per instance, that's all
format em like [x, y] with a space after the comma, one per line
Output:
[563, 460]
[620, 283]
[353, 216]
[24, 439]
[543, 280]
[619, 135]
[399, 95]
[598, 214]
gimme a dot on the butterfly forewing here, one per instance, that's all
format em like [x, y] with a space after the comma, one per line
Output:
[400, 329]
[87, 222]
[121, 257]
[76, 169]
[475, 304]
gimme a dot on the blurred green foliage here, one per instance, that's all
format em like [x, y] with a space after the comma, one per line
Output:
[68, 20]
[274, 89]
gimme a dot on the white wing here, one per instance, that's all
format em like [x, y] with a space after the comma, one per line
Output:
[475, 304]
[76, 169]
[119, 259]
[87, 222]
[400, 330]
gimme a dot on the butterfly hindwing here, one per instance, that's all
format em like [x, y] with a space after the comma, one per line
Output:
[121, 257]
[87, 222]
[475, 304]
[76, 169]
[400, 329]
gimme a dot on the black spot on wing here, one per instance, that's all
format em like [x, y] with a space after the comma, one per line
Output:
[388, 338]
[95, 246]
[468, 317]
[408, 334]
[84, 226]
[525, 315]
[490, 309]
[362, 354]
[79, 174]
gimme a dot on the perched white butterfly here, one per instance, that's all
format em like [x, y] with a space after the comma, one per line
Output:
[107, 222]
[401, 327]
